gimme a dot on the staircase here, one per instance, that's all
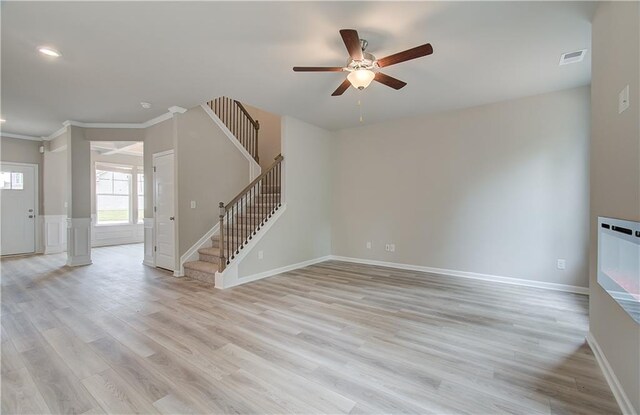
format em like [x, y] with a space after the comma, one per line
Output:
[247, 213]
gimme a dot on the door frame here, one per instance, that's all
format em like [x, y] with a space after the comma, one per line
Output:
[175, 197]
[36, 209]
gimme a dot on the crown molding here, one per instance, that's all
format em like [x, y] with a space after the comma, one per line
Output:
[178, 110]
[166, 116]
[57, 133]
[21, 136]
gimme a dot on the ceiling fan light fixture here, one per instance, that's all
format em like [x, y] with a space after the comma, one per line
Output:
[361, 78]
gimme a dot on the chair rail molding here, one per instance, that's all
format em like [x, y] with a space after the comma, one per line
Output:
[78, 241]
[54, 239]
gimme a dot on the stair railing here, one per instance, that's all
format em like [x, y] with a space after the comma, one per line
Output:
[243, 217]
[237, 119]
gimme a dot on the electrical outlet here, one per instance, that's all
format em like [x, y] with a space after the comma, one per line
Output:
[193, 204]
[392, 248]
[260, 254]
[368, 244]
[387, 247]
[562, 264]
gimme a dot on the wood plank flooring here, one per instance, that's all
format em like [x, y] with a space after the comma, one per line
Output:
[119, 337]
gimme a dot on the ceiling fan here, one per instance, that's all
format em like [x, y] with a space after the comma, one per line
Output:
[363, 66]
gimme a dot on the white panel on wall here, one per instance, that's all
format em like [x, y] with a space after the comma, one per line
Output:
[149, 258]
[55, 233]
[78, 241]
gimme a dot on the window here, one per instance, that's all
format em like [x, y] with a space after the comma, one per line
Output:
[113, 196]
[140, 189]
[119, 194]
[12, 180]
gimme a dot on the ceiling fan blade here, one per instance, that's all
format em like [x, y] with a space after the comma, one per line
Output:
[317, 69]
[351, 40]
[406, 55]
[343, 87]
[389, 81]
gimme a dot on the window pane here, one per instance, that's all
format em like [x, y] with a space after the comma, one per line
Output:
[112, 208]
[17, 181]
[121, 187]
[6, 180]
[121, 176]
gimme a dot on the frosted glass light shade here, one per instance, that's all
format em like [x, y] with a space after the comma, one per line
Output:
[361, 78]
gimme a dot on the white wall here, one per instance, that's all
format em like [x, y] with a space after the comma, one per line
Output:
[499, 189]
[615, 175]
[303, 232]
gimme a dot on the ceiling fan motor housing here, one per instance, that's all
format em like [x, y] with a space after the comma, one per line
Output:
[369, 62]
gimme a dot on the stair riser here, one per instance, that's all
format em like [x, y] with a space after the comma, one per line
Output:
[200, 276]
[209, 258]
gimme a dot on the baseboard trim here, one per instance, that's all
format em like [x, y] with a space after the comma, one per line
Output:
[465, 274]
[623, 401]
[280, 270]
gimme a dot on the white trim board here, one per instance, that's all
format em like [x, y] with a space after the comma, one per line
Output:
[192, 253]
[20, 136]
[616, 388]
[276, 271]
[163, 117]
[465, 274]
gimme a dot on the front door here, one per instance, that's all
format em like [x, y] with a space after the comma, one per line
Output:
[18, 193]
[163, 191]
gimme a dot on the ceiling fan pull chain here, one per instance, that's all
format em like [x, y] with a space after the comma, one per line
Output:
[360, 104]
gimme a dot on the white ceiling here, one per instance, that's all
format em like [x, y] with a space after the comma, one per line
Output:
[116, 54]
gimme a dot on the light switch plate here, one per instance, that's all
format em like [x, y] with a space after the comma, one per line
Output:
[392, 248]
[369, 245]
[260, 254]
[193, 204]
[623, 99]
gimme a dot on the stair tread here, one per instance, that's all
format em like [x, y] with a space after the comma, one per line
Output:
[209, 251]
[202, 266]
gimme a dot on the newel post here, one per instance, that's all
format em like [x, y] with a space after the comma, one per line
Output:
[223, 260]
[257, 130]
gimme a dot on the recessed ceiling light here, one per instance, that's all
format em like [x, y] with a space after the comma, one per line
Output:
[2, 120]
[46, 50]
[145, 105]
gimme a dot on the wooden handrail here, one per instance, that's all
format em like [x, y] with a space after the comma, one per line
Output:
[244, 191]
[255, 123]
[238, 120]
[246, 213]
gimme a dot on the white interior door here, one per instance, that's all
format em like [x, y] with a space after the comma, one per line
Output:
[18, 193]
[163, 193]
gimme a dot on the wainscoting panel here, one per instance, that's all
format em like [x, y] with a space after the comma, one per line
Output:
[54, 235]
[149, 258]
[78, 241]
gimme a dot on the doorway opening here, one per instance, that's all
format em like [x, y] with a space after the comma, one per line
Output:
[117, 194]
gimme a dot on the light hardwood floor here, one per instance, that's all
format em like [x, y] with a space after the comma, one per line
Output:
[119, 337]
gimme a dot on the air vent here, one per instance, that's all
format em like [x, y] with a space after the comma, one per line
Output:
[572, 57]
